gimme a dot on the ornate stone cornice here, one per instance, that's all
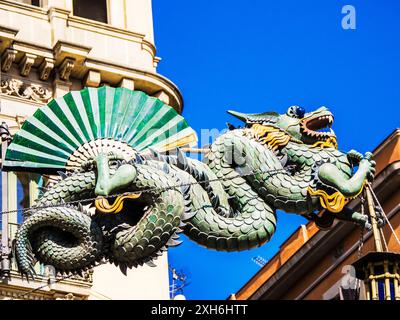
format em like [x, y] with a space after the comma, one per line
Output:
[7, 59]
[19, 295]
[25, 294]
[92, 78]
[66, 67]
[45, 68]
[74, 60]
[29, 91]
[26, 63]
[7, 36]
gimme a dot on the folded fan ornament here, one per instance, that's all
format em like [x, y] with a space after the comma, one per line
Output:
[110, 147]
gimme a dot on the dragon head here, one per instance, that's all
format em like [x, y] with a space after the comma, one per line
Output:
[313, 128]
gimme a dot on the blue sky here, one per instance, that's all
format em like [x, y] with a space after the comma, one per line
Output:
[260, 55]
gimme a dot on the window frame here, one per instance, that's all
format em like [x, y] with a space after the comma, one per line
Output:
[107, 3]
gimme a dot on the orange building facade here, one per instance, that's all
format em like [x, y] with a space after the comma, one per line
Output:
[312, 263]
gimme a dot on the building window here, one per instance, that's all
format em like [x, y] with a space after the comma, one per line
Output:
[31, 2]
[91, 9]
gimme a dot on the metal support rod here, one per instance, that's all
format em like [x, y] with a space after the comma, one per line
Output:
[195, 150]
[374, 222]
[5, 249]
[384, 214]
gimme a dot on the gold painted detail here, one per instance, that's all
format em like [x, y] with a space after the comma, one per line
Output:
[171, 144]
[331, 142]
[332, 202]
[273, 137]
[104, 206]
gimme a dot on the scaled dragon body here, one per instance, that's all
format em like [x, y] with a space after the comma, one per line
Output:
[132, 203]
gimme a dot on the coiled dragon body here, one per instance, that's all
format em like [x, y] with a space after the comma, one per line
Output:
[227, 202]
[121, 201]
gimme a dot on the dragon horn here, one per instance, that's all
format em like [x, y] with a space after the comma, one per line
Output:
[239, 115]
[255, 117]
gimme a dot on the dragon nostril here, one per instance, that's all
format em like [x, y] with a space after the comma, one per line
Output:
[106, 182]
[123, 177]
[99, 191]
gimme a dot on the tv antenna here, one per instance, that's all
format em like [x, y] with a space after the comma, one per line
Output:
[179, 281]
[260, 261]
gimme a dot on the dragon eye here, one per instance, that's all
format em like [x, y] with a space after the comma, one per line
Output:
[113, 163]
[296, 112]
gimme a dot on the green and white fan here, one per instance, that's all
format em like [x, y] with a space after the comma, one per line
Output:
[81, 124]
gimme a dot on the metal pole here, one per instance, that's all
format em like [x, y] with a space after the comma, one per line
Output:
[196, 150]
[174, 277]
[384, 214]
[5, 249]
[375, 229]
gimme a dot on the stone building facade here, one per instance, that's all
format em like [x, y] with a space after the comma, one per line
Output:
[47, 48]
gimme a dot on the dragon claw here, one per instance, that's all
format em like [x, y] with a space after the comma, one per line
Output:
[368, 156]
[362, 220]
[354, 156]
[367, 226]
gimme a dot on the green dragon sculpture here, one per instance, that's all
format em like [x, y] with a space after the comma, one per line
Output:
[124, 194]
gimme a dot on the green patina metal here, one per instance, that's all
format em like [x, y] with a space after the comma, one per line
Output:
[108, 141]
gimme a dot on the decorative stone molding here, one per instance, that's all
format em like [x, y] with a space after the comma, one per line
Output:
[162, 96]
[64, 49]
[63, 296]
[45, 68]
[61, 87]
[7, 36]
[92, 79]
[31, 91]
[14, 122]
[127, 83]
[69, 296]
[66, 67]
[10, 294]
[58, 24]
[113, 74]
[26, 63]
[7, 59]
[86, 276]
[156, 61]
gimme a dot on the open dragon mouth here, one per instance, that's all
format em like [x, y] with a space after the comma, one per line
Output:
[318, 128]
[130, 208]
[103, 205]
